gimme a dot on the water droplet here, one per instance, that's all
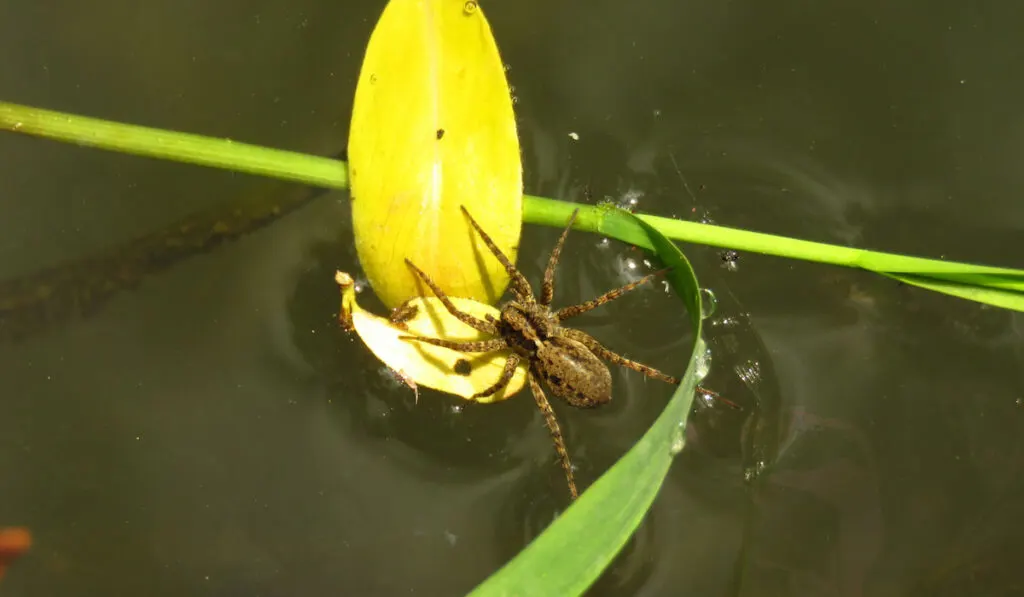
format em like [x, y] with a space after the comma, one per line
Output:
[703, 364]
[450, 537]
[752, 472]
[630, 199]
[708, 303]
[750, 372]
[469, 7]
[678, 439]
[706, 399]
[730, 260]
[360, 285]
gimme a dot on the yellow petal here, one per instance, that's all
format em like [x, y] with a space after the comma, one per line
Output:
[432, 128]
[425, 364]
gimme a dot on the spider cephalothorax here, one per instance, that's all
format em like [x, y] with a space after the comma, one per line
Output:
[567, 359]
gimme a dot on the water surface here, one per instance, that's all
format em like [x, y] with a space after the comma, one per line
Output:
[211, 432]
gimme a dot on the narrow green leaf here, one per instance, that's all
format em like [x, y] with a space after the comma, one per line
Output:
[998, 286]
[573, 551]
[169, 145]
[1002, 287]
[997, 297]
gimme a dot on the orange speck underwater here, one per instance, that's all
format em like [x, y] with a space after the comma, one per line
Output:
[13, 542]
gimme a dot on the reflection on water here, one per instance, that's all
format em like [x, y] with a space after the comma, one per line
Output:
[59, 296]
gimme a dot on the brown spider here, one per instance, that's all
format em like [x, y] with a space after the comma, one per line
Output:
[565, 358]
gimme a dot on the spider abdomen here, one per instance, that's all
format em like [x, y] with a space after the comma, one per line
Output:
[573, 372]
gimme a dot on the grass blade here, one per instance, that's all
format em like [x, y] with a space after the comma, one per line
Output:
[998, 286]
[170, 145]
[574, 550]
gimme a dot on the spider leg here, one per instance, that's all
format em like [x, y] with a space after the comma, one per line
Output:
[599, 350]
[474, 322]
[547, 292]
[611, 295]
[477, 346]
[556, 432]
[520, 285]
[506, 376]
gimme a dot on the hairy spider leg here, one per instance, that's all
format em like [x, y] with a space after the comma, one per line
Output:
[520, 285]
[556, 431]
[547, 293]
[475, 346]
[595, 347]
[474, 322]
[506, 376]
[574, 310]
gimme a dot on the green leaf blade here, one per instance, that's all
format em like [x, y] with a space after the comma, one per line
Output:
[574, 550]
[171, 145]
[995, 296]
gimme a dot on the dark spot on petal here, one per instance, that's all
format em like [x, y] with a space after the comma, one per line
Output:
[440, 133]
[462, 367]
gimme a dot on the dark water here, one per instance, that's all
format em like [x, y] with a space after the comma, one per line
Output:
[212, 433]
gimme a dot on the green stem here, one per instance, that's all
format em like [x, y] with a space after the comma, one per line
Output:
[552, 212]
[326, 172]
[170, 145]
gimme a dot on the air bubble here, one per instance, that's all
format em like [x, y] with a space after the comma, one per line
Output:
[708, 303]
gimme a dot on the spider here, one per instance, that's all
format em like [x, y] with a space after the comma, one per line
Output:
[566, 359]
